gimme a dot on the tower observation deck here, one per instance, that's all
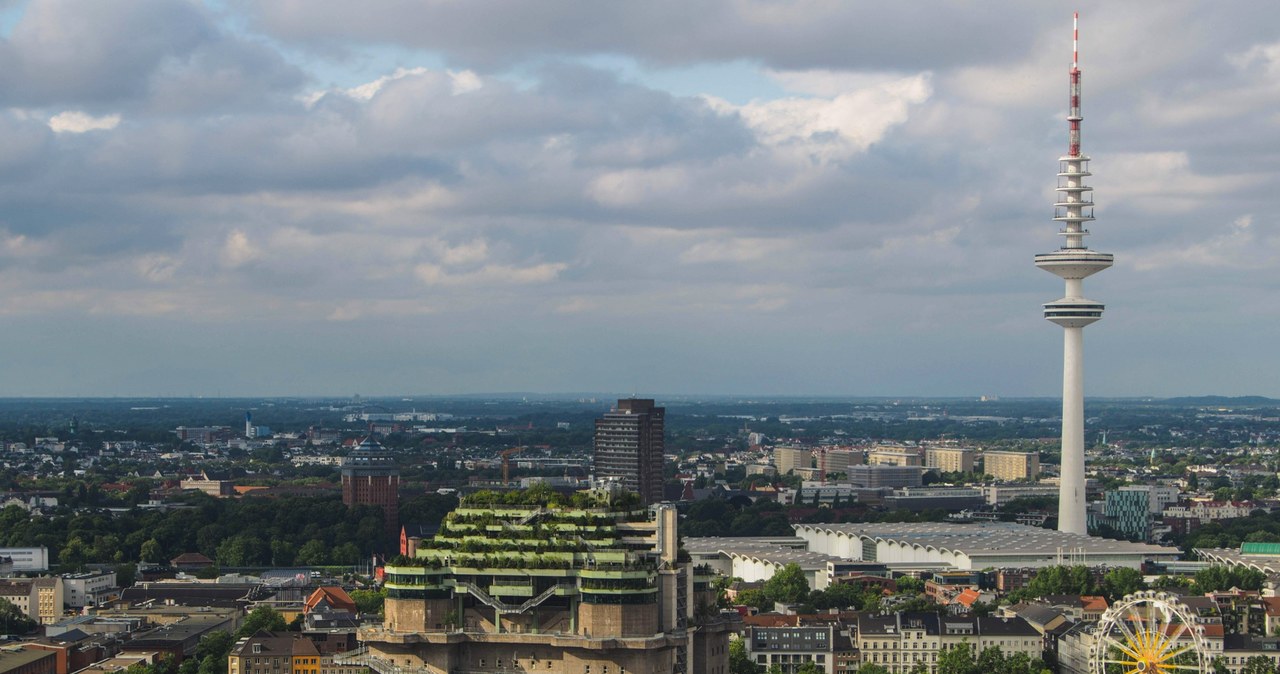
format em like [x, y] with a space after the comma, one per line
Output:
[1073, 262]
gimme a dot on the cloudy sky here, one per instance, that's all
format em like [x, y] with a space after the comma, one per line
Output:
[257, 197]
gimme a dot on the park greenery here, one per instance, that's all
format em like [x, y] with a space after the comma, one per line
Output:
[285, 531]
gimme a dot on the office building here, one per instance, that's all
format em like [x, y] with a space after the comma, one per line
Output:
[838, 460]
[1133, 509]
[27, 560]
[874, 477]
[894, 456]
[790, 459]
[89, 589]
[628, 447]
[370, 477]
[1011, 466]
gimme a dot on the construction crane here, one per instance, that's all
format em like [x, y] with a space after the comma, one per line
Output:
[506, 464]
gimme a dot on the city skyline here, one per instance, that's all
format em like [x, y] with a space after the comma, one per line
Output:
[233, 198]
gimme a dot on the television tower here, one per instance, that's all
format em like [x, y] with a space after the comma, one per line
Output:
[1073, 262]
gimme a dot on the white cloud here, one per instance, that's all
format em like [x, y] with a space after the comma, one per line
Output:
[157, 268]
[237, 250]
[1241, 246]
[839, 125]
[1166, 181]
[74, 121]
[731, 249]
[464, 81]
[637, 186]
[469, 253]
[1267, 56]
[490, 275]
[460, 82]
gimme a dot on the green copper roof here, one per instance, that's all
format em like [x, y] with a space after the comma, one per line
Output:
[1260, 548]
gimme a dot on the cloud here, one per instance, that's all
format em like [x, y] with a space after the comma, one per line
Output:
[1240, 246]
[490, 275]
[73, 121]
[882, 171]
[833, 128]
[237, 251]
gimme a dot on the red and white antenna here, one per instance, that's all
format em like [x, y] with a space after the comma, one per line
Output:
[1073, 114]
[1075, 41]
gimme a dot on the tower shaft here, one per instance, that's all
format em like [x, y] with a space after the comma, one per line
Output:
[1071, 494]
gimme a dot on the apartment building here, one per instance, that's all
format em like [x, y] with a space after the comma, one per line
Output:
[901, 642]
[1011, 466]
[949, 459]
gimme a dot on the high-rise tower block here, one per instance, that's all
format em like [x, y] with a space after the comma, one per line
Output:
[629, 446]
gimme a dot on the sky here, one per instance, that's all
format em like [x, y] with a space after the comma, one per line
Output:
[816, 197]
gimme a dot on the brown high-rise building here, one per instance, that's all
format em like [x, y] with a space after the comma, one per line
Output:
[370, 477]
[629, 445]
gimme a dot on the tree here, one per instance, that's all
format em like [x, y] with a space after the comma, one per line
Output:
[910, 585]
[740, 662]
[369, 601]
[872, 668]
[312, 553]
[1121, 581]
[787, 585]
[14, 621]
[957, 659]
[126, 574]
[151, 551]
[1259, 664]
[1217, 578]
[261, 618]
[809, 667]
[756, 598]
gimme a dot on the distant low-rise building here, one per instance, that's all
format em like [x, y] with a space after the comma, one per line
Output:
[22, 594]
[895, 456]
[27, 661]
[789, 647]
[89, 589]
[51, 598]
[28, 560]
[274, 653]
[878, 476]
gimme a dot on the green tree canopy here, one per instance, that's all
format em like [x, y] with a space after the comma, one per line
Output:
[1259, 664]
[261, 618]
[788, 585]
[740, 662]
[957, 659]
[14, 621]
[1218, 578]
[1121, 581]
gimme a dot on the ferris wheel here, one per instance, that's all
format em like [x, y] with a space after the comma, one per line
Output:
[1148, 633]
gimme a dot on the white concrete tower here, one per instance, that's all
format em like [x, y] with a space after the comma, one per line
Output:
[1073, 262]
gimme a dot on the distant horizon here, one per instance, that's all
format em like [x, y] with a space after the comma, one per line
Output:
[608, 397]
